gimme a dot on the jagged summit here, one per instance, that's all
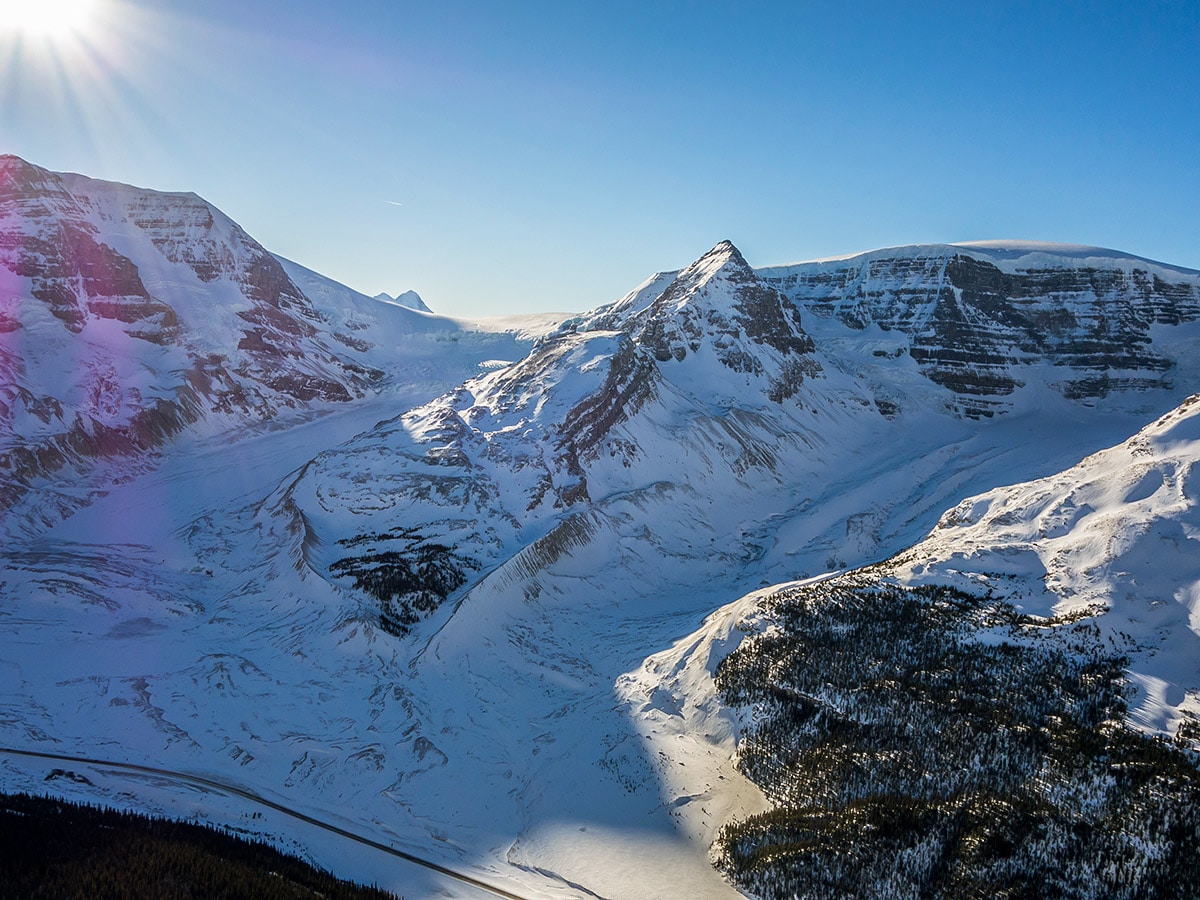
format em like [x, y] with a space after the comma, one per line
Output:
[723, 265]
[723, 260]
[724, 256]
[720, 302]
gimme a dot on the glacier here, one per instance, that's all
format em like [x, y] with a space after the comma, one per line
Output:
[463, 587]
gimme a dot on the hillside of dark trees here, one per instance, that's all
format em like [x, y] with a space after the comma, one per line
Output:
[54, 849]
[930, 743]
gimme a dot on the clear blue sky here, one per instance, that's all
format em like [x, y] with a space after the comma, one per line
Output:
[551, 155]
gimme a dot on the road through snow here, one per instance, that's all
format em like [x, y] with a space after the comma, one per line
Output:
[245, 794]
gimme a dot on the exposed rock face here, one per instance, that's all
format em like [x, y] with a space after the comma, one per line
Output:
[978, 318]
[718, 307]
[680, 320]
[127, 315]
[709, 370]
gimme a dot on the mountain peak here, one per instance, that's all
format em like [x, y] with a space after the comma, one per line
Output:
[16, 172]
[407, 299]
[724, 258]
[719, 301]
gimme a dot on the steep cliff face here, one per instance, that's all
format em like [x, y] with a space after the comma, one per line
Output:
[706, 386]
[129, 315]
[982, 319]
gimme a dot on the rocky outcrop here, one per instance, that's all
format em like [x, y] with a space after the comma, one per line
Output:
[717, 308]
[128, 315]
[979, 319]
[718, 301]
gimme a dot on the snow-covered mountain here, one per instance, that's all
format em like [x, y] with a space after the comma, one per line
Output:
[646, 457]
[1113, 539]
[407, 299]
[988, 319]
[1062, 608]
[128, 316]
[708, 391]
[705, 383]
[415, 576]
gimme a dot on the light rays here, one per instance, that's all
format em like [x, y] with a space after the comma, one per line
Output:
[58, 63]
[108, 80]
[48, 20]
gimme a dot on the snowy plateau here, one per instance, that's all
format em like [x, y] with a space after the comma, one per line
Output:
[463, 588]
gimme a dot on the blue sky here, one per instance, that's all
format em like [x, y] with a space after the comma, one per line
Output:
[552, 155]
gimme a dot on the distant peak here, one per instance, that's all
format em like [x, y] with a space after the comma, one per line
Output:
[407, 299]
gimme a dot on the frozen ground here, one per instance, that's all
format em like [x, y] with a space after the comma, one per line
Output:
[552, 728]
[519, 736]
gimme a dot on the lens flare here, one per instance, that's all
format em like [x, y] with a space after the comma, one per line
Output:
[45, 18]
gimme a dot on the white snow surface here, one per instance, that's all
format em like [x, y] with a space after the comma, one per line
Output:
[1116, 537]
[407, 299]
[1113, 540]
[1008, 255]
[553, 726]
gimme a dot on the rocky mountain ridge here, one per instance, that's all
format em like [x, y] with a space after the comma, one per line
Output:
[436, 611]
[718, 361]
[981, 319]
[128, 316]
[717, 346]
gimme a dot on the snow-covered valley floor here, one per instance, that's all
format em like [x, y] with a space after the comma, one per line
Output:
[518, 737]
[170, 651]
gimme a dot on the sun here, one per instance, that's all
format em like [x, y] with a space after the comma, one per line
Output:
[45, 18]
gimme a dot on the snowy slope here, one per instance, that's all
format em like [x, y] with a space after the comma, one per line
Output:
[1115, 538]
[128, 316]
[603, 422]
[436, 613]
[711, 395]
[1100, 558]
[989, 321]
[855, 481]
[596, 499]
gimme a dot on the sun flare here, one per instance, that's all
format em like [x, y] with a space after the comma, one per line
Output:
[45, 18]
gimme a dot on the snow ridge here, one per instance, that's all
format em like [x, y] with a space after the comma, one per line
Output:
[436, 608]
